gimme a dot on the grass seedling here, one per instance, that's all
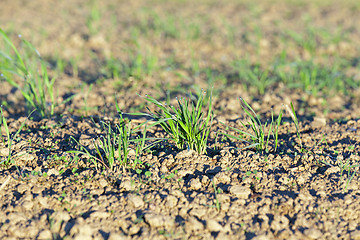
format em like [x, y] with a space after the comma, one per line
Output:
[112, 69]
[314, 78]
[9, 139]
[295, 119]
[35, 85]
[139, 141]
[192, 31]
[230, 32]
[253, 76]
[140, 65]
[108, 145]
[259, 139]
[217, 202]
[114, 145]
[347, 167]
[165, 26]
[92, 21]
[75, 68]
[276, 128]
[86, 108]
[59, 64]
[307, 42]
[195, 65]
[185, 124]
[350, 176]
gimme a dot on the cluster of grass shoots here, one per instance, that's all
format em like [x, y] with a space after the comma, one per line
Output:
[28, 73]
[186, 124]
[259, 138]
[114, 145]
[313, 78]
[138, 66]
[254, 76]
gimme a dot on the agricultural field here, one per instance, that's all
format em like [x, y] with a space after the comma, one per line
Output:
[180, 119]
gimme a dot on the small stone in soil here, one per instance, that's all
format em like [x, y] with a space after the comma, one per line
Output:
[239, 191]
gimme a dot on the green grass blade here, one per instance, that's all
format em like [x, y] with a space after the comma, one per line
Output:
[9, 42]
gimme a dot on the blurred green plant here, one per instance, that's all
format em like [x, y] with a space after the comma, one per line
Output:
[253, 77]
[140, 65]
[161, 26]
[28, 73]
[92, 21]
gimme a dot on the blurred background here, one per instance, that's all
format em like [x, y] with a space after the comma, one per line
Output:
[266, 51]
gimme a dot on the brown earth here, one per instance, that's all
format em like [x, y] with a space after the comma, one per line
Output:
[229, 193]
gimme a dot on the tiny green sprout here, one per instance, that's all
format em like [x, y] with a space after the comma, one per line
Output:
[171, 175]
[216, 192]
[62, 196]
[148, 173]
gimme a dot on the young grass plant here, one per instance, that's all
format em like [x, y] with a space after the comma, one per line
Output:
[92, 21]
[253, 76]
[186, 124]
[9, 139]
[140, 64]
[114, 145]
[111, 147]
[36, 86]
[258, 136]
[276, 128]
[351, 171]
[295, 119]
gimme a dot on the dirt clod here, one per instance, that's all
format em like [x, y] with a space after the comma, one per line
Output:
[240, 191]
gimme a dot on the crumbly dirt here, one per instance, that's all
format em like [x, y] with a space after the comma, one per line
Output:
[228, 193]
